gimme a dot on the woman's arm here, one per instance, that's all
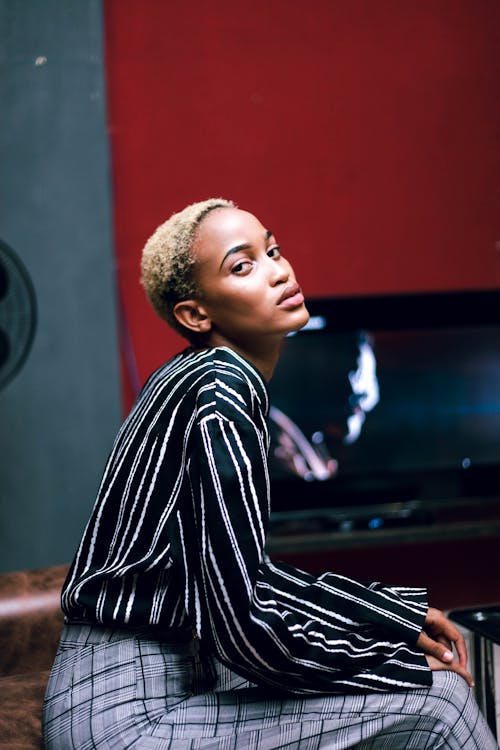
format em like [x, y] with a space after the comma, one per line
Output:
[271, 622]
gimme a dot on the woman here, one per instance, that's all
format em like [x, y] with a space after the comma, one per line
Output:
[180, 631]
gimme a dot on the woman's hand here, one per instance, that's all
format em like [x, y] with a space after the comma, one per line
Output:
[437, 640]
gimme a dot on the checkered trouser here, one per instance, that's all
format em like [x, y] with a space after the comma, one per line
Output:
[116, 689]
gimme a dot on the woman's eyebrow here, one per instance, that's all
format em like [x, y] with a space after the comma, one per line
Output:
[243, 246]
[235, 249]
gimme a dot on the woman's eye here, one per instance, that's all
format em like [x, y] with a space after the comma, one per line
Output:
[274, 251]
[242, 267]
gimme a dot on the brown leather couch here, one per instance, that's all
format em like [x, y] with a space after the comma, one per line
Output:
[30, 624]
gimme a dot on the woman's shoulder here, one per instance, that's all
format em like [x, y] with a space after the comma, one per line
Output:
[227, 378]
[208, 375]
[232, 366]
[218, 362]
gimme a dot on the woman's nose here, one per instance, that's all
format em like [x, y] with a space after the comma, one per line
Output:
[280, 270]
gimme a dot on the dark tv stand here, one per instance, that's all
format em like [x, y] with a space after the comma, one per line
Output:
[452, 549]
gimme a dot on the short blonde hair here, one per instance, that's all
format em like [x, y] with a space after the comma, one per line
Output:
[168, 260]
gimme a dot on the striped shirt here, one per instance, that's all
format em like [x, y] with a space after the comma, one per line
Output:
[177, 539]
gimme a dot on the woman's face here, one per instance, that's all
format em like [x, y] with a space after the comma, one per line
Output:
[247, 288]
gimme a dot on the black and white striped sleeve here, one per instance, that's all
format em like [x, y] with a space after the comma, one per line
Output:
[268, 621]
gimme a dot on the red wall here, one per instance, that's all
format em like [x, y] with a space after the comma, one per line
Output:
[365, 134]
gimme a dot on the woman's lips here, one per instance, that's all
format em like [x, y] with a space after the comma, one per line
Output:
[291, 297]
[294, 301]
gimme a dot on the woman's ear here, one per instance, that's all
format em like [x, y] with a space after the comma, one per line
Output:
[192, 316]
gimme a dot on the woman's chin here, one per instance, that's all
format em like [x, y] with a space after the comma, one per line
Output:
[301, 317]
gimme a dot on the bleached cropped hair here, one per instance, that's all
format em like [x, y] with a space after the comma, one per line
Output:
[168, 260]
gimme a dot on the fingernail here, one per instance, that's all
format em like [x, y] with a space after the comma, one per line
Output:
[448, 656]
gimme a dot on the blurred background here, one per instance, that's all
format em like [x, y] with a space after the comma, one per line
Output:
[364, 134]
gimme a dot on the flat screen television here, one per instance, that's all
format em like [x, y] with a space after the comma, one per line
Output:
[384, 399]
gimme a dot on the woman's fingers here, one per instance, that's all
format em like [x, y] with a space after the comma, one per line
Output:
[437, 665]
[444, 631]
[437, 646]
[433, 648]
[445, 641]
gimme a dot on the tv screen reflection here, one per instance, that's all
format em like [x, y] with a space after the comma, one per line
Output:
[358, 402]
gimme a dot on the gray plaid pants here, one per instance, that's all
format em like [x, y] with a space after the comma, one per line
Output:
[115, 689]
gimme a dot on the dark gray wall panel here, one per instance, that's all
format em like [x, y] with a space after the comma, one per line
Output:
[59, 415]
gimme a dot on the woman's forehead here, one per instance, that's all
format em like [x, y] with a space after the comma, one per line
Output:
[225, 228]
[227, 221]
